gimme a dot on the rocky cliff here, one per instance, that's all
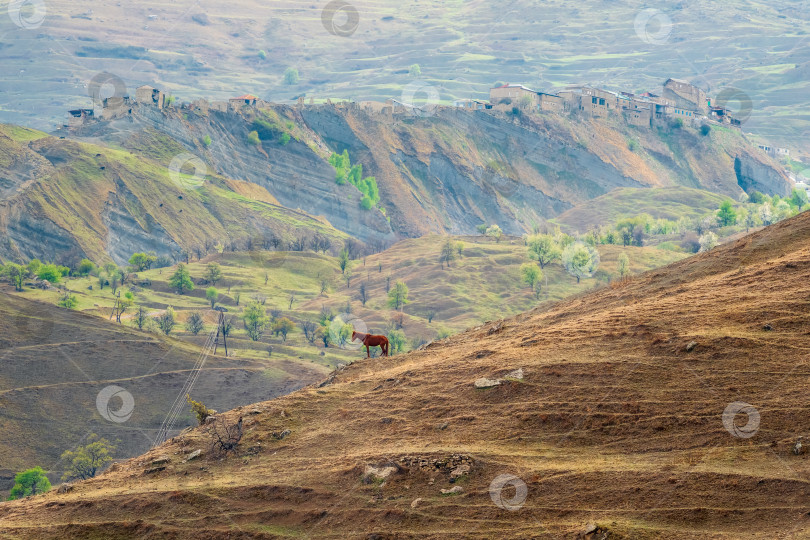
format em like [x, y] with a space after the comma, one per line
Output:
[447, 172]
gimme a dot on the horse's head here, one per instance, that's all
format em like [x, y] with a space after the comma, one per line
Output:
[354, 335]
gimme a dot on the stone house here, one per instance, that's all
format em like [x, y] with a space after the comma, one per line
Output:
[511, 94]
[475, 104]
[247, 99]
[685, 95]
[79, 117]
[149, 95]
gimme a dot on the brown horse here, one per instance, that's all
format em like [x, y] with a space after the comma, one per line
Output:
[370, 340]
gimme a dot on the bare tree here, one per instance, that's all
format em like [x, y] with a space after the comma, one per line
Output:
[309, 328]
[225, 437]
[363, 294]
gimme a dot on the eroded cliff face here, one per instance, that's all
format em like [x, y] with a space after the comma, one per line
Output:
[754, 174]
[444, 173]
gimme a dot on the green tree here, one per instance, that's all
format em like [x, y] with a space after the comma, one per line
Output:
[142, 261]
[141, 318]
[482, 229]
[49, 272]
[343, 259]
[87, 460]
[253, 138]
[255, 319]
[29, 482]
[195, 323]
[396, 341]
[68, 301]
[544, 249]
[415, 70]
[291, 76]
[16, 274]
[85, 267]
[448, 253]
[530, 274]
[166, 321]
[798, 198]
[181, 280]
[398, 295]
[580, 260]
[624, 265]
[213, 273]
[726, 214]
[262, 54]
[283, 326]
[284, 139]
[33, 266]
[207, 141]
[495, 232]
[212, 295]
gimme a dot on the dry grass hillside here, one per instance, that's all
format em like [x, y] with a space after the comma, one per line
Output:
[618, 420]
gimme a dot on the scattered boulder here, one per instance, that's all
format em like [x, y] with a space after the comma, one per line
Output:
[416, 502]
[483, 382]
[65, 488]
[453, 490]
[152, 470]
[280, 435]
[459, 471]
[442, 426]
[691, 346]
[162, 460]
[767, 327]
[593, 532]
[377, 474]
[194, 455]
[516, 375]
[798, 448]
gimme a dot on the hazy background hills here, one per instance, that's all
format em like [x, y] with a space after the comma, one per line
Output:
[213, 49]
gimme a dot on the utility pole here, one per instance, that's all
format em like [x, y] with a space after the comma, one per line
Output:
[221, 329]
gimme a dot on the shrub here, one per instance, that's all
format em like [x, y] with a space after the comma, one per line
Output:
[253, 138]
[285, 138]
[200, 411]
[705, 129]
[291, 76]
[207, 140]
[29, 482]
[87, 460]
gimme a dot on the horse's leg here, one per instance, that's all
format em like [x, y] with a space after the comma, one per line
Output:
[368, 353]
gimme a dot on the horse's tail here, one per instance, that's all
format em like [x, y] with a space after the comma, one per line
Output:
[385, 346]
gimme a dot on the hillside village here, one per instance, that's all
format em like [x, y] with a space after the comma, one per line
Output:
[678, 99]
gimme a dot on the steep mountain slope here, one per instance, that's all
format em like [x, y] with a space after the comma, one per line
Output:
[56, 362]
[64, 200]
[624, 416]
[209, 49]
[448, 172]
